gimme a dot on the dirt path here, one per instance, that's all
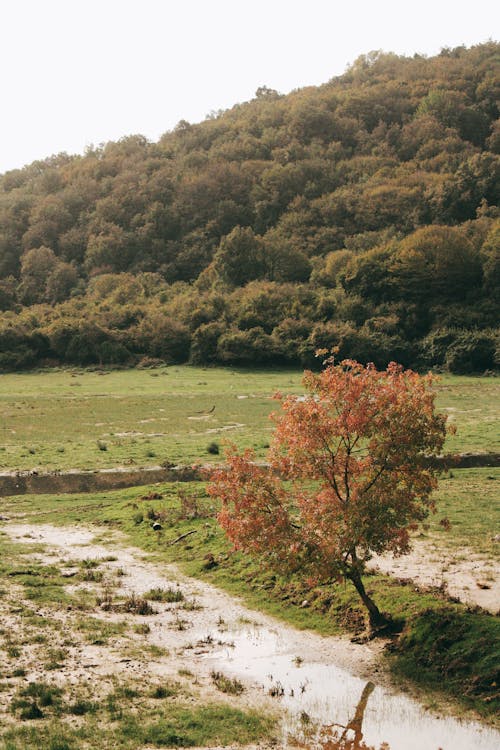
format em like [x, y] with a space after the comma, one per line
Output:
[203, 609]
[463, 574]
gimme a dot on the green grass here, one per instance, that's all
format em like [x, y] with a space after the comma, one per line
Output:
[61, 419]
[473, 406]
[165, 724]
[469, 499]
[462, 648]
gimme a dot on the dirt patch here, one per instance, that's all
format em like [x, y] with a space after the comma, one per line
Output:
[463, 575]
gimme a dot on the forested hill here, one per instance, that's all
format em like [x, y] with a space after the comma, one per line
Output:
[361, 214]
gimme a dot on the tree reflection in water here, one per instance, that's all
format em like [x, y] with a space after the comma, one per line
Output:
[349, 737]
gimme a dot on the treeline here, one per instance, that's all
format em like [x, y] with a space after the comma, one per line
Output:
[361, 214]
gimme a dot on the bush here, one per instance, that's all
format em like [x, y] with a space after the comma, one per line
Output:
[253, 346]
[472, 351]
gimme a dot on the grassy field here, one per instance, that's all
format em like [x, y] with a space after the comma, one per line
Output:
[62, 419]
[469, 499]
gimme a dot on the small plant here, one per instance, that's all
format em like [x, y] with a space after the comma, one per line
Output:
[102, 445]
[30, 700]
[180, 624]
[92, 575]
[105, 601]
[229, 685]
[184, 672]
[82, 707]
[169, 595]
[55, 658]
[137, 605]
[142, 628]
[12, 650]
[191, 605]
[213, 449]
[277, 690]
[89, 564]
[164, 691]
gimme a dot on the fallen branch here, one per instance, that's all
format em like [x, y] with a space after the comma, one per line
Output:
[182, 536]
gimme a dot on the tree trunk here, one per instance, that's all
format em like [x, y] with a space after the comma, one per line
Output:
[377, 619]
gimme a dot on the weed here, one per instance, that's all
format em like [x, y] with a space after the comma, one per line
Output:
[277, 690]
[30, 700]
[142, 628]
[55, 658]
[164, 691]
[12, 650]
[99, 631]
[191, 605]
[82, 707]
[180, 624]
[229, 685]
[169, 595]
[95, 576]
[89, 564]
[105, 601]
[136, 605]
[213, 449]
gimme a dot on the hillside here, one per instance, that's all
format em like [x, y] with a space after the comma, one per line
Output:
[361, 214]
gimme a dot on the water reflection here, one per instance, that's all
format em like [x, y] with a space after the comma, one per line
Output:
[353, 715]
[349, 737]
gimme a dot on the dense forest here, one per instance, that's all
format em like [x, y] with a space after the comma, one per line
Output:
[361, 214]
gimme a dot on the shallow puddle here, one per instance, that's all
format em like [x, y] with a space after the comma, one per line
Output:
[350, 712]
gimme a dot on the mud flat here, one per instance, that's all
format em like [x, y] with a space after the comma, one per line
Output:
[325, 689]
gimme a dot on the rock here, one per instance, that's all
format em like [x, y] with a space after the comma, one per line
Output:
[305, 603]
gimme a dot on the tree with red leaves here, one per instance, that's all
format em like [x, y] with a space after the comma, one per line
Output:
[348, 475]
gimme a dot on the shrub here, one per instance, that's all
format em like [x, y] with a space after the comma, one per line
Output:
[472, 351]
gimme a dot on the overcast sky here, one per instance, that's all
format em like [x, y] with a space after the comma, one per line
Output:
[81, 72]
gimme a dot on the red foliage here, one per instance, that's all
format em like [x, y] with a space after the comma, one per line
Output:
[347, 473]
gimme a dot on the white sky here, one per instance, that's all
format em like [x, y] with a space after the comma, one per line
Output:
[76, 72]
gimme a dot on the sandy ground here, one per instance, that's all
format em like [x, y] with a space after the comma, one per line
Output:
[461, 574]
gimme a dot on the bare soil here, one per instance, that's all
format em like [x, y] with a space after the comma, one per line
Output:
[462, 574]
